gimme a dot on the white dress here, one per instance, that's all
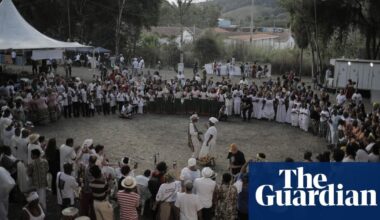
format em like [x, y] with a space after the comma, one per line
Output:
[206, 149]
[237, 101]
[304, 119]
[140, 104]
[194, 139]
[294, 116]
[228, 102]
[281, 111]
[268, 111]
[289, 112]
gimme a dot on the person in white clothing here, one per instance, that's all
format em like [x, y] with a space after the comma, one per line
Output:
[190, 173]
[341, 98]
[237, 94]
[205, 188]
[229, 103]
[209, 140]
[167, 194]
[188, 205]
[194, 138]
[294, 116]
[33, 209]
[268, 109]
[67, 153]
[66, 186]
[7, 184]
[281, 109]
[304, 117]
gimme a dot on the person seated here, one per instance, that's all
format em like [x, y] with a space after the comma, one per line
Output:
[222, 114]
[126, 111]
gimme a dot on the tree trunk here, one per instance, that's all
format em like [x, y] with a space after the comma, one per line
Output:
[313, 60]
[181, 41]
[301, 62]
[118, 26]
[368, 44]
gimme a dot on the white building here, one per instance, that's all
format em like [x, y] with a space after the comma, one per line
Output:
[266, 40]
[166, 34]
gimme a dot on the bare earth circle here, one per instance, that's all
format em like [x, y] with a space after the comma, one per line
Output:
[145, 135]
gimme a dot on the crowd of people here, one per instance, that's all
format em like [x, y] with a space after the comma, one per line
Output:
[85, 183]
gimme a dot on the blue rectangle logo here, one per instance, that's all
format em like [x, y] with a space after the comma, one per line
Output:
[314, 191]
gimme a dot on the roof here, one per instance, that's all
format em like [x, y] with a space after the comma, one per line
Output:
[173, 31]
[16, 33]
[282, 36]
[255, 37]
[219, 30]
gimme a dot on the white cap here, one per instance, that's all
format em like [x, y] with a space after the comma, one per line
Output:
[87, 143]
[191, 162]
[32, 196]
[194, 116]
[213, 120]
[207, 172]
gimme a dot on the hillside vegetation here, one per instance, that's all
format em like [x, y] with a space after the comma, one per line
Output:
[266, 12]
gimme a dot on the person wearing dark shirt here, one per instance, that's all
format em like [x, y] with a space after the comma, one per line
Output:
[247, 107]
[236, 158]
[99, 188]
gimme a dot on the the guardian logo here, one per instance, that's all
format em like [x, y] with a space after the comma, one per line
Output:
[312, 190]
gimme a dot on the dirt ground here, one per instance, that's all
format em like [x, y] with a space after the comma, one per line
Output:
[146, 135]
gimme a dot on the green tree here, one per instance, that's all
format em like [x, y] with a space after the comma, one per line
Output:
[206, 49]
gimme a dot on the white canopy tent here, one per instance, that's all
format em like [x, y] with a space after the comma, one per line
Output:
[17, 34]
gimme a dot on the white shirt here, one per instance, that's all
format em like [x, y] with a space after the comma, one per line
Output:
[340, 99]
[66, 155]
[141, 64]
[204, 188]
[189, 205]
[373, 158]
[369, 147]
[187, 174]
[361, 156]
[69, 188]
[168, 191]
[142, 180]
[348, 159]
[210, 131]
[135, 64]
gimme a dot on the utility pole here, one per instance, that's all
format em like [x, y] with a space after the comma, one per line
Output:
[68, 17]
[252, 7]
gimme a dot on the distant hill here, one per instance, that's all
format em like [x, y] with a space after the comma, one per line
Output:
[230, 5]
[266, 12]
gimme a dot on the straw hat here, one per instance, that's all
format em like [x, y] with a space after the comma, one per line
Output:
[233, 147]
[33, 138]
[129, 182]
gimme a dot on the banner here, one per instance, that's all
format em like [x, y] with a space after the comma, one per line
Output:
[47, 54]
[314, 191]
